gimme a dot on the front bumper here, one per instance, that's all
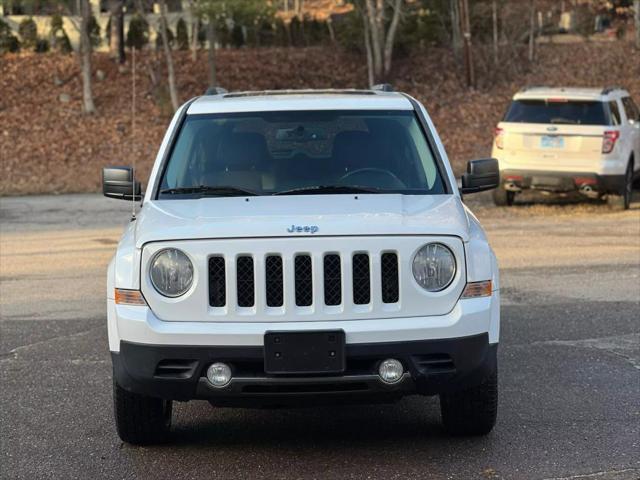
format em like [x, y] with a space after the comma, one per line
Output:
[562, 182]
[178, 372]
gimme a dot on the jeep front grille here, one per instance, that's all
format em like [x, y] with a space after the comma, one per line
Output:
[250, 273]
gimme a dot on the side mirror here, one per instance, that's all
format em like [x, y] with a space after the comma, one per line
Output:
[118, 182]
[481, 175]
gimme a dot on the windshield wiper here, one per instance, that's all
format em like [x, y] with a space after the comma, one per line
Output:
[219, 191]
[328, 189]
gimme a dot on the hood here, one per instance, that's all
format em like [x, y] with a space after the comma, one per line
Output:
[301, 215]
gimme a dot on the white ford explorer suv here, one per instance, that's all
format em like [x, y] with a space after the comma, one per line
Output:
[302, 247]
[564, 140]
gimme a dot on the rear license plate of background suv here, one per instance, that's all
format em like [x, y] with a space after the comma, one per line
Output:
[551, 142]
[315, 352]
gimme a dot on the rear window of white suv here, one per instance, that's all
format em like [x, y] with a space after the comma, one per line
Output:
[569, 112]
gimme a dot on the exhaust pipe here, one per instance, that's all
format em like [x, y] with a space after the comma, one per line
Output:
[589, 191]
[512, 187]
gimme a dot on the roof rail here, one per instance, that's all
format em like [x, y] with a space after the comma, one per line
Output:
[383, 87]
[611, 88]
[530, 87]
[215, 91]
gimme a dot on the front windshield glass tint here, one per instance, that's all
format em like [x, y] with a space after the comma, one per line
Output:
[570, 112]
[273, 152]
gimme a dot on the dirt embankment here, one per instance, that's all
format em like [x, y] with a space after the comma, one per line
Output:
[48, 146]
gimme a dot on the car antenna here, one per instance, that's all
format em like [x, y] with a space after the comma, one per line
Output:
[133, 129]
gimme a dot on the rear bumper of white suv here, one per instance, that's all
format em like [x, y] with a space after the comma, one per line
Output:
[562, 182]
[169, 359]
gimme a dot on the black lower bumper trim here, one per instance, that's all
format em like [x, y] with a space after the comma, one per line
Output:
[562, 182]
[179, 372]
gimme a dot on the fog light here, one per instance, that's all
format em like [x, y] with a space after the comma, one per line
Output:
[390, 370]
[219, 374]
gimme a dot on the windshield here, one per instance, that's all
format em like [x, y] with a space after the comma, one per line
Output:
[313, 152]
[571, 112]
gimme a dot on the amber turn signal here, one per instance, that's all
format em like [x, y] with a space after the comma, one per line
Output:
[477, 289]
[129, 297]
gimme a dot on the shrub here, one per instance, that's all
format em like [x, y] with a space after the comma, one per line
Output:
[93, 29]
[138, 33]
[59, 38]
[42, 45]
[182, 35]
[28, 33]
[8, 41]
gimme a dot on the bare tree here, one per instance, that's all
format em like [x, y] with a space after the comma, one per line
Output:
[85, 57]
[380, 33]
[532, 27]
[636, 6]
[211, 39]
[368, 49]
[116, 35]
[173, 91]
[468, 52]
[456, 35]
[494, 17]
[195, 26]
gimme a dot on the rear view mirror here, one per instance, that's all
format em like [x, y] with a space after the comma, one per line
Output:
[481, 175]
[119, 182]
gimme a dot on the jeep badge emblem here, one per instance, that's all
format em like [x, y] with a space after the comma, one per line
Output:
[303, 229]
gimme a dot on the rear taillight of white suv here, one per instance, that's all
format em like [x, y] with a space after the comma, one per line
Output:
[499, 138]
[609, 141]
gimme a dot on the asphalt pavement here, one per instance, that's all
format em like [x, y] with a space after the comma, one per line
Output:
[569, 365]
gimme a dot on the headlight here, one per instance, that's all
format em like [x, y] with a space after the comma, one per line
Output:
[171, 272]
[434, 267]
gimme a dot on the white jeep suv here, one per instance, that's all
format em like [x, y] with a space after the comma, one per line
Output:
[564, 140]
[302, 247]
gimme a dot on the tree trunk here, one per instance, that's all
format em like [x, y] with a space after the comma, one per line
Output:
[391, 36]
[173, 91]
[456, 35]
[376, 42]
[211, 39]
[332, 35]
[85, 58]
[194, 31]
[494, 16]
[532, 27]
[468, 52]
[367, 46]
[636, 6]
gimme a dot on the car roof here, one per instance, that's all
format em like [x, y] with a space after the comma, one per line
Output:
[296, 100]
[540, 93]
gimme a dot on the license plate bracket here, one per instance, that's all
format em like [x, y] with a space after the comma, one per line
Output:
[314, 352]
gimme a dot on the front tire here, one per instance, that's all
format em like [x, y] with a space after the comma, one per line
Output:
[623, 201]
[503, 198]
[472, 411]
[141, 420]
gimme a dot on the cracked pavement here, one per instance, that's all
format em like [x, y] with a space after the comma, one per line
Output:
[569, 365]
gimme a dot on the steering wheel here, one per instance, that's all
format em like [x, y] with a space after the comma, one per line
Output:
[393, 182]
